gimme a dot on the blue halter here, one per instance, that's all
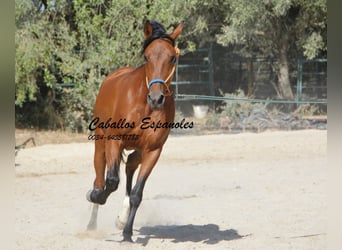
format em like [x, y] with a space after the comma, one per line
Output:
[155, 81]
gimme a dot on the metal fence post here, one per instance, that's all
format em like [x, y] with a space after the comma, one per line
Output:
[299, 80]
[211, 70]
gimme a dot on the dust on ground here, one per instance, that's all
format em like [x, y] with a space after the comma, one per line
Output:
[222, 191]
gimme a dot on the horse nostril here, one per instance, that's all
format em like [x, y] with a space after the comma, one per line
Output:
[155, 100]
[160, 99]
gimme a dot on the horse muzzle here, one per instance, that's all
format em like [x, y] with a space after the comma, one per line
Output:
[156, 97]
[156, 100]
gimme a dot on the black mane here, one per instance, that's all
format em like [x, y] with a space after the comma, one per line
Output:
[158, 31]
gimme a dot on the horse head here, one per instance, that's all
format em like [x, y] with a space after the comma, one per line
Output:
[161, 56]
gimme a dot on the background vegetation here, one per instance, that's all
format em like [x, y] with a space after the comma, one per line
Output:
[65, 48]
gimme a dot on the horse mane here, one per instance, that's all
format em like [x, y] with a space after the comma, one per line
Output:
[158, 31]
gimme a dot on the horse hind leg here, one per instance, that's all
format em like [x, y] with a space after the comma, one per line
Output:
[135, 198]
[133, 162]
[122, 218]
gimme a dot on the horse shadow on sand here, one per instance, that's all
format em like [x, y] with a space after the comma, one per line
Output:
[208, 234]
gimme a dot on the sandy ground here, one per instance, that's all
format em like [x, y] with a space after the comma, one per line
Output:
[242, 191]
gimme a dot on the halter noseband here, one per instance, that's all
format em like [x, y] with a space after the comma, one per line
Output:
[154, 81]
[150, 83]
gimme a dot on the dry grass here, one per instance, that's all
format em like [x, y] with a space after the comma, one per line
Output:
[48, 137]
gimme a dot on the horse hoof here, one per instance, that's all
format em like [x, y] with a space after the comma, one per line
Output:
[88, 195]
[127, 239]
[96, 196]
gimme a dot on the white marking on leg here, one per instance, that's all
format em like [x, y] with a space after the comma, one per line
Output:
[123, 216]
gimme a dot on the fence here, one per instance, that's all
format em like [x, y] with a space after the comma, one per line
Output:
[203, 74]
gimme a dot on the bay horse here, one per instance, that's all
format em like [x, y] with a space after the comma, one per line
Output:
[130, 102]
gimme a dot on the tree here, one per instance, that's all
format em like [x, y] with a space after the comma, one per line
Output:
[276, 28]
[77, 42]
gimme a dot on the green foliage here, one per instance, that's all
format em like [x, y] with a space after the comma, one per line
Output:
[311, 28]
[313, 43]
[80, 41]
[278, 29]
[39, 40]
[259, 26]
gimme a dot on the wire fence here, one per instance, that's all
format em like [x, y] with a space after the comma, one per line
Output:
[210, 76]
[207, 74]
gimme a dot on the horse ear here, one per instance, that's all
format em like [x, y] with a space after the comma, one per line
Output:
[147, 29]
[176, 32]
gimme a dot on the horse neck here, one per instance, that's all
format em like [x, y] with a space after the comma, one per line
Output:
[141, 83]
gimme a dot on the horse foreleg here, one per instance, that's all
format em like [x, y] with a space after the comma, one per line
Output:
[133, 161]
[99, 165]
[149, 159]
[112, 159]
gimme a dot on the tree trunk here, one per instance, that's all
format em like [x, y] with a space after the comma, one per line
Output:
[284, 84]
[250, 77]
